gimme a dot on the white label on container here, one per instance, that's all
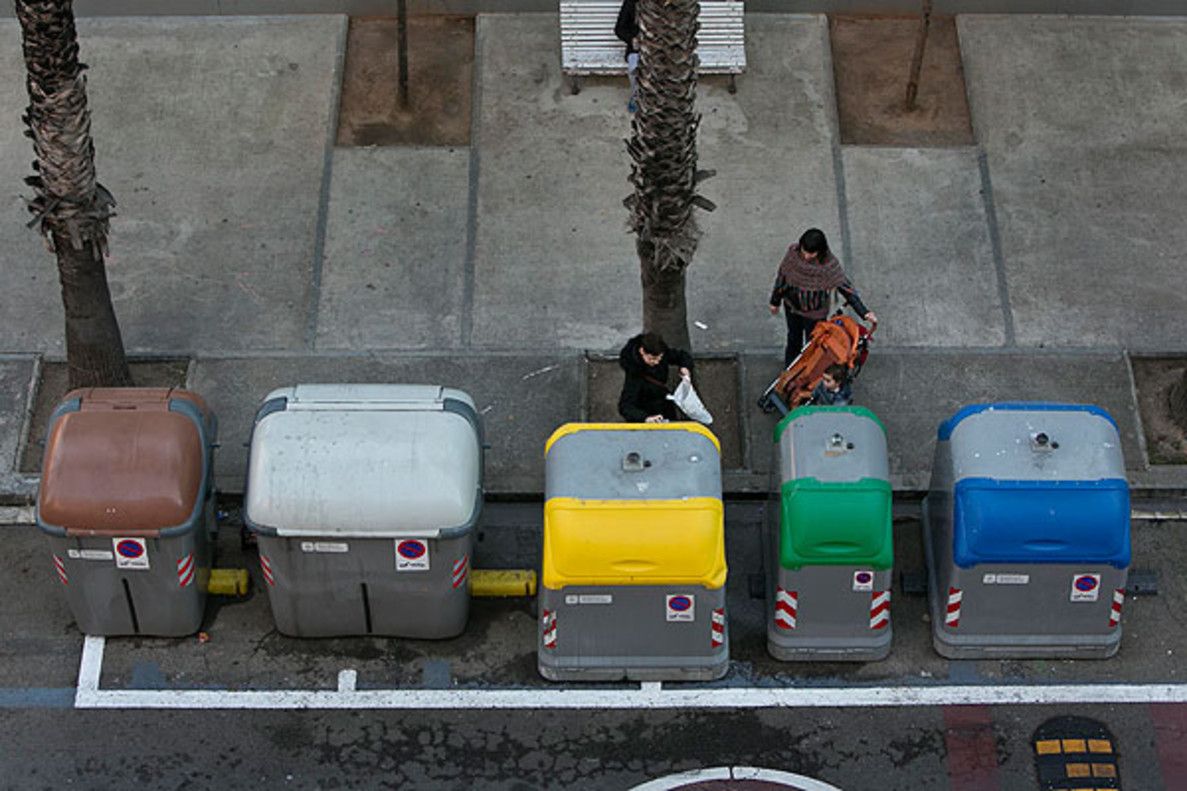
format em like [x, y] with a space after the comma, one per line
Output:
[89, 554]
[863, 580]
[681, 607]
[1006, 579]
[412, 554]
[130, 553]
[1086, 587]
[589, 598]
[325, 546]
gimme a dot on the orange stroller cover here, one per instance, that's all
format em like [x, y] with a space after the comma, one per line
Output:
[836, 340]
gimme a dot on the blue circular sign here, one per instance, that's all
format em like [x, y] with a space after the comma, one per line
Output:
[129, 549]
[680, 603]
[413, 550]
[1085, 584]
[863, 577]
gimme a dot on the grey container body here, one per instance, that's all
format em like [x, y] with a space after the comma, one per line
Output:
[615, 632]
[166, 598]
[986, 610]
[338, 587]
[815, 613]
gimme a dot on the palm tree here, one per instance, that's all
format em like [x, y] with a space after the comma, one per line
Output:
[71, 207]
[663, 150]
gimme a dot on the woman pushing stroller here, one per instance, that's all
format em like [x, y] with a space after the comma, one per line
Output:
[807, 276]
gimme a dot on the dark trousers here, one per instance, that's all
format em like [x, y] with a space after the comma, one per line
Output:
[799, 329]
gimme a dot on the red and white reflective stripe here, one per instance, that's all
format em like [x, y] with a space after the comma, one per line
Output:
[460, 569]
[952, 618]
[1115, 613]
[879, 609]
[185, 570]
[548, 628]
[717, 627]
[787, 603]
[60, 567]
[266, 567]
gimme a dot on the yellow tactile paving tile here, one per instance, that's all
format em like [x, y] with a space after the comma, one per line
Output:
[1104, 770]
[1100, 746]
[1048, 747]
[1079, 770]
[1074, 746]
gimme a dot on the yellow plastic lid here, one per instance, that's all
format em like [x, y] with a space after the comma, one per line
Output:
[687, 425]
[634, 542]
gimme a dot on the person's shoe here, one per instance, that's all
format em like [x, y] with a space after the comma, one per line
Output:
[631, 107]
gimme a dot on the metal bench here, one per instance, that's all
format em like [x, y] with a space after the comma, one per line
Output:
[589, 46]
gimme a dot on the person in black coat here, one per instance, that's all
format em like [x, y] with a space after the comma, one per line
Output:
[626, 28]
[645, 359]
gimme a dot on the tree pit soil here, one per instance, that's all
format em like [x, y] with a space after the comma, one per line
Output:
[1166, 441]
[871, 65]
[53, 385]
[440, 69]
[716, 381]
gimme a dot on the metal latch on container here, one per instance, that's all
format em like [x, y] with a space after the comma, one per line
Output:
[1041, 443]
[634, 462]
[836, 445]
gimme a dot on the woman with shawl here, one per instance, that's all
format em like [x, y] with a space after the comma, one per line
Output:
[807, 277]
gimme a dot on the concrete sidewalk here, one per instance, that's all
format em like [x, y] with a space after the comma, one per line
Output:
[1032, 265]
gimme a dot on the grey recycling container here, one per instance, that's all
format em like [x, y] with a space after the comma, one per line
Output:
[633, 568]
[830, 546]
[1027, 532]
[127, 502]
[364, 498]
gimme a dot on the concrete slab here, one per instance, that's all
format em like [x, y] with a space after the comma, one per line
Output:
[212, 134]
[522, 400]
[553, 263]
[1084, 166]
[16, 381]
[921, 252]
[1093, 243]
[395, 249]
[771, 144]
[553, 174]
[913, 392]
[1075, 81]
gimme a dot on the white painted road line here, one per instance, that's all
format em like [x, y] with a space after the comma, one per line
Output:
[649, 695]
[568, 698]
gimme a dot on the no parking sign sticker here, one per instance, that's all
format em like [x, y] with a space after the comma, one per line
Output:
[681, 607]
[863, 580]
[130, 553]
[1086, 587]
[412, 554]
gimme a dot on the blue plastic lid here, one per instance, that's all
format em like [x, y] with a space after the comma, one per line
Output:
[949, 425]
[996, 521]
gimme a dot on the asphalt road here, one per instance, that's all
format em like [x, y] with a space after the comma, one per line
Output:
[45, 742]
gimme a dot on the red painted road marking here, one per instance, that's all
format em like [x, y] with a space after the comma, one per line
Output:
[1170, 734]
[972, 749]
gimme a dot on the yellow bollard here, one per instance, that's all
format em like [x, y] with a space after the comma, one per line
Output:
[496, 583]
[228, 582]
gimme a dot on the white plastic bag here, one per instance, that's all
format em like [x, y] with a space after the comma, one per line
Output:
[690, 403]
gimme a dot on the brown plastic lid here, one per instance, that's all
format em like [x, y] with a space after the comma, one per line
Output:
[123, 463]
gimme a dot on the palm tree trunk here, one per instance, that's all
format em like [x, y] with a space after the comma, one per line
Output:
[664, 162]
[69, 204]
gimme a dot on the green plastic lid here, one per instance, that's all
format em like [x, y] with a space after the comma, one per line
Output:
[799, 412]
[836, 524]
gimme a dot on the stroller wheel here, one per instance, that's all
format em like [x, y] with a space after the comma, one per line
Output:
[764, 403]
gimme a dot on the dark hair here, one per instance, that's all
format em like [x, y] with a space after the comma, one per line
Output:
[653, 343]
[838, 372]
[814, 241]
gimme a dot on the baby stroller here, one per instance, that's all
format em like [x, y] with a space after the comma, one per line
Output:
[840, 340]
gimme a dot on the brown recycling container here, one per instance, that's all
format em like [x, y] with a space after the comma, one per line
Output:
[127, 502]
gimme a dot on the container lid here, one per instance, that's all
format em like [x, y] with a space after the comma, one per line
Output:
[1042, 442]
[832, 444]
[127, 461]
[1041, 522]
[836, 524]
[632, 461]
[634, 542]
[364, 461]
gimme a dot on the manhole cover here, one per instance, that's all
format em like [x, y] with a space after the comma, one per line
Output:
[736, 778]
